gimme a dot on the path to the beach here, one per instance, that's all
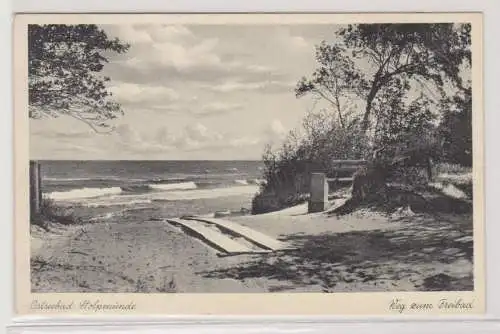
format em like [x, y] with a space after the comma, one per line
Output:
[363, 251]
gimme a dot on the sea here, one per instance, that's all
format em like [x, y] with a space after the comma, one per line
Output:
[151, 189]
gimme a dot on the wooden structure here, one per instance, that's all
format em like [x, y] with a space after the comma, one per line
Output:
[342, 170]
[213, 238]
[341, 173]
[35, 191]
[318, 193]
[227, 237]
[256, 237]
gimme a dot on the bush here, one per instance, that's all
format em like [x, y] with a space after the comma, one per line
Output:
[287, 170]
[265, 202]
[50, 212]
[455, 129]
[448, 168]
[405, 138]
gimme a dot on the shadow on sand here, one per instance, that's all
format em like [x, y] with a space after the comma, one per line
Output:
[427, 200]
[431, 254]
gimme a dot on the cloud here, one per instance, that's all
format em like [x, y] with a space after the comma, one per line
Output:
[217, 108]
[242, 75]
[129, 33]
[128, 135]
[63, 133]
[277, 127]
[245, 141]
[143, 33]
[200, 62]
[162, 53]
[178, 56]
[192, 137]
[276, 130]
[299, 42]
[139, 94]
[199, 132]
[197, 109]
[129, 139]
[164, 33]
[269, 86]
[76, 149]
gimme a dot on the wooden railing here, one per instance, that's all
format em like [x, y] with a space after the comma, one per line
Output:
[344, 167]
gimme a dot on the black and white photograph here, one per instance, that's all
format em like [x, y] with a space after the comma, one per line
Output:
[252, 158]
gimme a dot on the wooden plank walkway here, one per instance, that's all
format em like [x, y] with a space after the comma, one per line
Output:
[214, 238]
[254, 236]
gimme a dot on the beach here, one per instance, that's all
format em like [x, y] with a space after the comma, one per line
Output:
[361, 251]
[119, 236]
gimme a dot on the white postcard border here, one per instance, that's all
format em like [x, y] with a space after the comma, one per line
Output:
[253, 304]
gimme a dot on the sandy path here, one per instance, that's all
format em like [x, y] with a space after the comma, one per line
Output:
[367, 252]
[131, 257]
[296, 221]
[363, 251]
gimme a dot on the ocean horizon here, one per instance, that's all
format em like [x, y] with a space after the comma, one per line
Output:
[166, 187]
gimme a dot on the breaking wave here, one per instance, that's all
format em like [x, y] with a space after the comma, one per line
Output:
[145, 193]
[83, 193]
[175, 186]
[167, 196]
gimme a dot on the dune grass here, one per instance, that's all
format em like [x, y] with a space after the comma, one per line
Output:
[50, 212]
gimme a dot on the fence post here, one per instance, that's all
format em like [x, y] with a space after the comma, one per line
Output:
[318, 193]
[35, 188]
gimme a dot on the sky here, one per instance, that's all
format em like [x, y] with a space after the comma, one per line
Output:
[194, 92]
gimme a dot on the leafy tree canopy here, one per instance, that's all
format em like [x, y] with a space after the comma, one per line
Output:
[336, 80]
[64, 62]
[408, 52]
[432, 52]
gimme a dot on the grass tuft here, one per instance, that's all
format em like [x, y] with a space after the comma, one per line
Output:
[50, 212]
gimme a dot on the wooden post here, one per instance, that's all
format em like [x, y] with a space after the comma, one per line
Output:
[35, 188]
[318, 193]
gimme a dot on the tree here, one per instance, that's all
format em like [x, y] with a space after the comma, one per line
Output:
[336, 80]
[455, 129]
[422, 52]
[64, 62]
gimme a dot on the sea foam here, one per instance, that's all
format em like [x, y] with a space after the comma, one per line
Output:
[174, 186]
[174, 195]
[83, 193]
[146, 193]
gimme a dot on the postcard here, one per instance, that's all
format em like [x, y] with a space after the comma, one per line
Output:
[249, 164]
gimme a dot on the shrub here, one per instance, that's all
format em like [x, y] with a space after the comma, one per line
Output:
[455, 128]
[265, 202]
[404, 137]
[287, 169]
[169, 286]
[448, 168]
[50, 212]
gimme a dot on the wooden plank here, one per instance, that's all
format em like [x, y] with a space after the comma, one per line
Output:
[252, 235]
[339, 179]
[215, 239]
[348, 162]
[350, 168]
